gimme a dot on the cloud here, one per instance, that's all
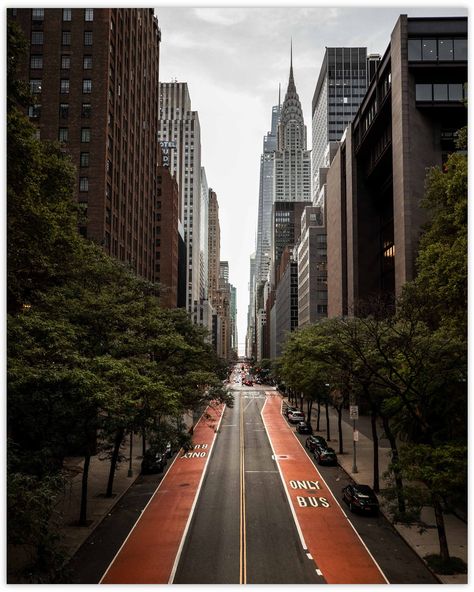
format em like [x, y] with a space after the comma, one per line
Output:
[221, 16]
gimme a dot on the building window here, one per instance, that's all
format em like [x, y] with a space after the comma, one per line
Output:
[66, 38]
[429, 49]
[88, 14]
[37, 38]
[87, 86]
[455, 92]
[35, 86]
[34, 111]
[440, 92]
[83, 183]
[414, 49]
[37, 14]
[63, 134]
[445, 49]
[86, 110]
[424, 92]
[460, 49]
[65, 62]
[67, 14]
[36, 62]
[88, 38]
[86, 134]
[87, 62]
[65, 86]
[84, 159]
[63, 110]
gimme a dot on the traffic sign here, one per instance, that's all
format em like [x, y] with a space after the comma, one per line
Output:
[354, 412]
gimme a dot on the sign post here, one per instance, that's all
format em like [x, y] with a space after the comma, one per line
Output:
[354, 415]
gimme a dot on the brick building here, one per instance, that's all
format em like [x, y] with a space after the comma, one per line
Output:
[94, 73]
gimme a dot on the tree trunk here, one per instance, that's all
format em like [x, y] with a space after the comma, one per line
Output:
[301, 401]
[113, 461]
[309, 405]
[396, 470]
[85, 476]
[339, 427]
[443, 541]
[328, 431]
[319, 416]
[375, 440]
[143, 442]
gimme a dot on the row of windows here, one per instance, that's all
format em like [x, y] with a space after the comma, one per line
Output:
[440, 92]
[36, 85]
[37, 38]
[437, 49]
[37, 14]
[36, 62]
[63, 136]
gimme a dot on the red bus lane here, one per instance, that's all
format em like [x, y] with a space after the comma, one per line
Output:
[151, 551]
[325, 531]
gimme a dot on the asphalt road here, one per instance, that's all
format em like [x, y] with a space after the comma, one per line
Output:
[242, 529]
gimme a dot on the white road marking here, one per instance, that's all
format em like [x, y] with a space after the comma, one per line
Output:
[319, 572]
[340, 507]
[178, 455]
[298, 527]
[261, 471]
[183, 538]
[309, 556]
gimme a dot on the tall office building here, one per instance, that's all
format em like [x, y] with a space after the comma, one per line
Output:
[406, 123]
[180, 125]
[312, 267]
[341, 85]
[292, 172]
[94, 73]
[214, 245]
[251, 318]
[204, 238]
[266, 198]
[234, 344]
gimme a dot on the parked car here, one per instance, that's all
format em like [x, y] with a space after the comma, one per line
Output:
[360, 498]
[248, 382]
[295, 416]
[289, 409]
[325, 455]
[304, 428]
[153, 462]
[314, 441]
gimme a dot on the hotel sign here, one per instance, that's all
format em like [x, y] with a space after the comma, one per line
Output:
[165, 150]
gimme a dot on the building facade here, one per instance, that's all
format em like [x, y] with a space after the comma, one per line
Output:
[405, 124]
[341, 85]
[167, 237]
[312, 267]
[94, 74]
[180, 126]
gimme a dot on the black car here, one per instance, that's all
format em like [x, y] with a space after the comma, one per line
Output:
[304, 428]
[360, 498]
[314, 441]
[325, 455]
[153, 462]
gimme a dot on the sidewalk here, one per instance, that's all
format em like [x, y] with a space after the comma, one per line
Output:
[98, 506]
[423, 544]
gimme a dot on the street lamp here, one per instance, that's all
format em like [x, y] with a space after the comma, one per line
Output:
[354, 415]
[130, 470]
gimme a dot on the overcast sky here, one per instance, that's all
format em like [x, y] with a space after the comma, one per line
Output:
[233, 60]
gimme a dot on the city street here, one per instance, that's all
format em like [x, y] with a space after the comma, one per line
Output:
[245, 526]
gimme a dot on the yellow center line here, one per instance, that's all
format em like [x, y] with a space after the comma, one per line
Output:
[243, 550]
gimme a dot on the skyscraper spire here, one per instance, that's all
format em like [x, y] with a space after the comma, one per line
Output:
[291, 82]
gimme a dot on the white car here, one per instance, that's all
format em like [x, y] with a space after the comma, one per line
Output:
[295, 416]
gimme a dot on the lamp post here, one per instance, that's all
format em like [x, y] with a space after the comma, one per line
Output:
[130, 470]
[354, 415]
